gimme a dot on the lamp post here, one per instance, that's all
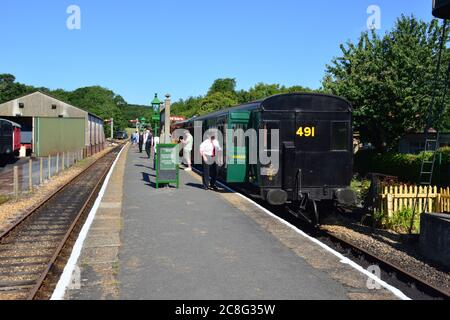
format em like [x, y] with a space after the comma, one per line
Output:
[156, 103]
[142, 123]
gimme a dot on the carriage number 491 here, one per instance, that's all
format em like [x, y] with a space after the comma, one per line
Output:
[306, 132]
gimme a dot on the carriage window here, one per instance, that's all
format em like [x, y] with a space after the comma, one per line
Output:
[239, 135]
[339, 136]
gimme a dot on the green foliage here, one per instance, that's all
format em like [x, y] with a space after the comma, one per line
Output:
[10, 89]
[226, 85]
[188, 108]
[101, 102]
[223, 94]
[217, 101]
[4, 199]
[405, 166]
[400, 221]
[132, 112]
[361, 187]
[97, 100]
[390, 80]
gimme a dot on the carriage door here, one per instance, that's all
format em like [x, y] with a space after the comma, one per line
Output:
[236, 147]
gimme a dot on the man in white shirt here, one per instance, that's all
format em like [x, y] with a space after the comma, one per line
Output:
[156, 141]
[209, 150]
[188, 142]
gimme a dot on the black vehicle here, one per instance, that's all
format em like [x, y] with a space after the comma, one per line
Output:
[10, 139]
[121, 135]
[315, 150]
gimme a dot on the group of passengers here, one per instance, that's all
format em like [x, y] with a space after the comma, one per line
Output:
[209, 151]
[145, 141]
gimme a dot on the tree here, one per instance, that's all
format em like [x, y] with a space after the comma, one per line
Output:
[99, 101]
[132, 112]
[223, 94]
[189, 107]
[389, 79]
[223, 86]
[10, 89]
[217, 101]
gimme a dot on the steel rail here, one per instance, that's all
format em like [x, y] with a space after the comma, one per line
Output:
[33, 293]
[62, 244]
[47, 199]
[431, 289]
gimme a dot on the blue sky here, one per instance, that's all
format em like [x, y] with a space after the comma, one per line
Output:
[139, 47]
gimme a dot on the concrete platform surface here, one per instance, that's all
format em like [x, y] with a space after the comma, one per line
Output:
[189, 243]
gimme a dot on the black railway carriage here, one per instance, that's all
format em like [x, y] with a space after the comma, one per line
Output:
[10, 133]
[314, 150]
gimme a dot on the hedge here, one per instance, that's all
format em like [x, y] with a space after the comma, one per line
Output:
[404, 166]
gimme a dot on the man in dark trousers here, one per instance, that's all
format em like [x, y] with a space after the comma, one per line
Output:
[148, 142]
[141, 141]
[209, 150]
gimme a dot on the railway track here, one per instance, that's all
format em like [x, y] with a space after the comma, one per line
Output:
[395, 275]
[33, 250]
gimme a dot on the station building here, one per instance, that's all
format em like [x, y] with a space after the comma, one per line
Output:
[52, 126]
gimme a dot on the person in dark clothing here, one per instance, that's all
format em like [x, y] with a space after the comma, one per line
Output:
[209, 150]
[148, 143]
[141, 141]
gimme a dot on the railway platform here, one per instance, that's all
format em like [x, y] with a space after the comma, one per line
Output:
[189, 244]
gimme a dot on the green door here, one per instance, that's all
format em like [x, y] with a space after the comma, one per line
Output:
[236, 152]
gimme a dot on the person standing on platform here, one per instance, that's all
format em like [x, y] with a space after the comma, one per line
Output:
[209, 151]
[141, 141]
[156, 141]
[134, 138]
[145, 138]
[187, 142]
[148, 143]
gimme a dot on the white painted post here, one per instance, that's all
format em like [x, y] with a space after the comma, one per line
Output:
[41, 171]
[112, 129]
[49, 165]
[16, 182]
[57, 163]
[30, 175]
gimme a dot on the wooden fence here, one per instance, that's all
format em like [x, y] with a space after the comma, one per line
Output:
[396, 198]
[444, 200]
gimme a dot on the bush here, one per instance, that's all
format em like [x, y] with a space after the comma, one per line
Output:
[399, 222]
[404, 166]
[361, 187]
